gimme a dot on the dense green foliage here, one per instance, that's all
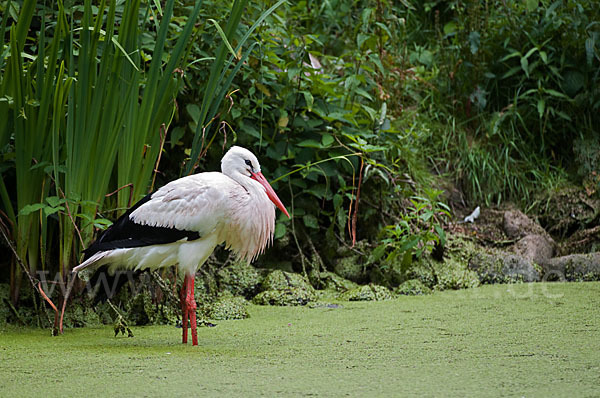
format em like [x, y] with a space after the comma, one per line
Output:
[522, 80]
[352, 107]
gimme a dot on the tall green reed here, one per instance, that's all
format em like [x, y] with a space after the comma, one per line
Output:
[80, 116]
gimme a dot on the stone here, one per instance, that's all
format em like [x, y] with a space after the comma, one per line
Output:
[535, 248]
[574, 267]
[503, 268]
[517, 225]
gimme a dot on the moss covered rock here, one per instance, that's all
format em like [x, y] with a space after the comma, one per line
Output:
[240, 279]
[503, 268]
[412, 287]
[331, 281]
[446, 275]
[285, 297]
[227, 308]
[281, 280]
[351, 268]
[285, 288]
[368, 292]
[574, 267]
[351, 262]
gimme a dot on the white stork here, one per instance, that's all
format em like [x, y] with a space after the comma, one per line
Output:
[182, 223]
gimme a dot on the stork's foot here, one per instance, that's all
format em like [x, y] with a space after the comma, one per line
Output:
[188, 309]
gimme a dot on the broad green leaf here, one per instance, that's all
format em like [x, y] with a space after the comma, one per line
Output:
[363, 93]
[377, 253]
[48, 211]
[310, 221]
[283, 121]
[54, 201]
[531, 51]
[410, 243]
[280, 230]
[308, 97]
[511, 55]
[564, 115]
[541, 107]
[573, 82]
[327, 140]
[406, 260]
[441, 234]
[361, 38]
[386, 125]
[28, 209]
[555, 93]
[263, 89]
[102, 223]
[310, 143]
[450, 28]
[337, 201]
[194, 112]
[525, 65]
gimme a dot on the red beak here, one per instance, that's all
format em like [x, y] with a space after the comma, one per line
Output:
[270, 192]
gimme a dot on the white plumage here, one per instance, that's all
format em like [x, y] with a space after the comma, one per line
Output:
[182, 222]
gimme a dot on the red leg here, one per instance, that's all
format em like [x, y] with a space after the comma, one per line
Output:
[184, 310]
[191, 304]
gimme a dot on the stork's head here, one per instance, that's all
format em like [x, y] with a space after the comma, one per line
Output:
[239, 163]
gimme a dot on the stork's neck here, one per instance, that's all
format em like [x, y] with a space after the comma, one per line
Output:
[253, 219]
[250, 185]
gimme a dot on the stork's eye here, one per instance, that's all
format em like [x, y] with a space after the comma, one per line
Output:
[248, 163]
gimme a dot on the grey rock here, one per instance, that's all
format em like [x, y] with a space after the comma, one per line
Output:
[574, 267]
[535, 248]
[517, 225]
[503, 268]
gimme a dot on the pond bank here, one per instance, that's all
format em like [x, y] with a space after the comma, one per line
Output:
[522, 339]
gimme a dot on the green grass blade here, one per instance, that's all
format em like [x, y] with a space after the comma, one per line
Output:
[223, 37]
[25, 16]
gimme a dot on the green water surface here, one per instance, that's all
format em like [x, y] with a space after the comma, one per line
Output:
[503, 340]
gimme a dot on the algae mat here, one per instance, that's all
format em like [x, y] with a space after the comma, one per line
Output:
[510, 340]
